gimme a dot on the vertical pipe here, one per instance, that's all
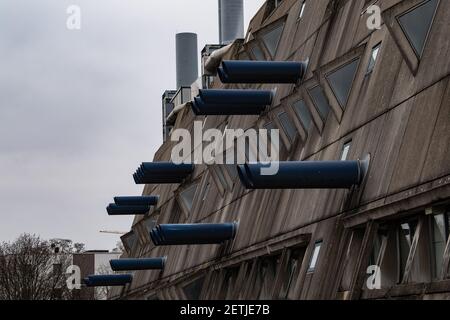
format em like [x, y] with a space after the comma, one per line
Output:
[231, 20]
[187, 59]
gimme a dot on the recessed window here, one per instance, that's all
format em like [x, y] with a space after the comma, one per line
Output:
[406, 233]
[267, 277]
[373, 58]
[272, 38]
[416, 24]
[345, 151]
[291, 274]
[194, 289]
[302, 111]
[188, 196]
[315, 256]
[341, 81]
[302, 10]
[287, 125]
[320, 101]
[257, 52]
[440, 223]
[244, 56]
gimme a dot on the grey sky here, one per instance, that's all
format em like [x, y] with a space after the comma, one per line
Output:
[79, 110]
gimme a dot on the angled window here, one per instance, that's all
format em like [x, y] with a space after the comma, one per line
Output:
[440, 223]
[320, 101]
[188, 196]
[272, 38]
[373, 58]
[257, 52]
[341, 81]
[302, 10]
[315, 256]
[302, 111]
[416, 24]
[346, 150]
[405, 234]
[193, 290]
[287, 125]
[267, 274]
[293, 270]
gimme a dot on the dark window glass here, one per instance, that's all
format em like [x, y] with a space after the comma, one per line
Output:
[440, 237]
[416, 24]
[188, 196]
[320, 101]
[406, 233]
[373, 58]
[257, 52]
[292, 272]
[272, 38]
[288, 126]
[341, 81]
[194, 289]
[302, 111]
[267, 274]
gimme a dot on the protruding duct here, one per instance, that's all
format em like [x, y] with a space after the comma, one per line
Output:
[231, 102]
[113, 280]
[231, 20]
[182, 234]
[137, 201]
[162, 172]
[138, 264]
[304, 175]
[241, 71]
[116, 210]
[187, 59]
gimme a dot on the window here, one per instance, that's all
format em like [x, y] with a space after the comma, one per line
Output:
[373, 58]
[440, 227]
[341, 81]
[293, 269]
[405, 235]
[320, 101]
[188, 196]
[346, 150]
[193, 290]
[315, 256]
[303, 114]
[272, 38]
[302, 10]
[287, 125]
[416, 24]
[266, 277]
[257, 52]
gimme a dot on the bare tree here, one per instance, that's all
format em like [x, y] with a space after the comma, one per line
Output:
[32, 269]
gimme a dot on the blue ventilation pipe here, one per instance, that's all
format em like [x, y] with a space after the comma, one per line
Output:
[304, 175]
[115, 210]
[113, 280]
[183, 234]
[138, 264]
[240, 71]
[137, 201]
[162, 172]
[231, 102]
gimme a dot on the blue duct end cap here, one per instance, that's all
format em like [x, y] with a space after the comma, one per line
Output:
[138, 264]
[114, 280]
[162, 173]
[195, 234]
[304, 175]
[137, 201]
[241, 71]
[116, 210]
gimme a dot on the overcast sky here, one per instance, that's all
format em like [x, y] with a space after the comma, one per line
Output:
[80, 110]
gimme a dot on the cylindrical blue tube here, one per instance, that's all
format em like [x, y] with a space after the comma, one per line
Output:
[138, 264]
[108, 280]
[303, 175]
